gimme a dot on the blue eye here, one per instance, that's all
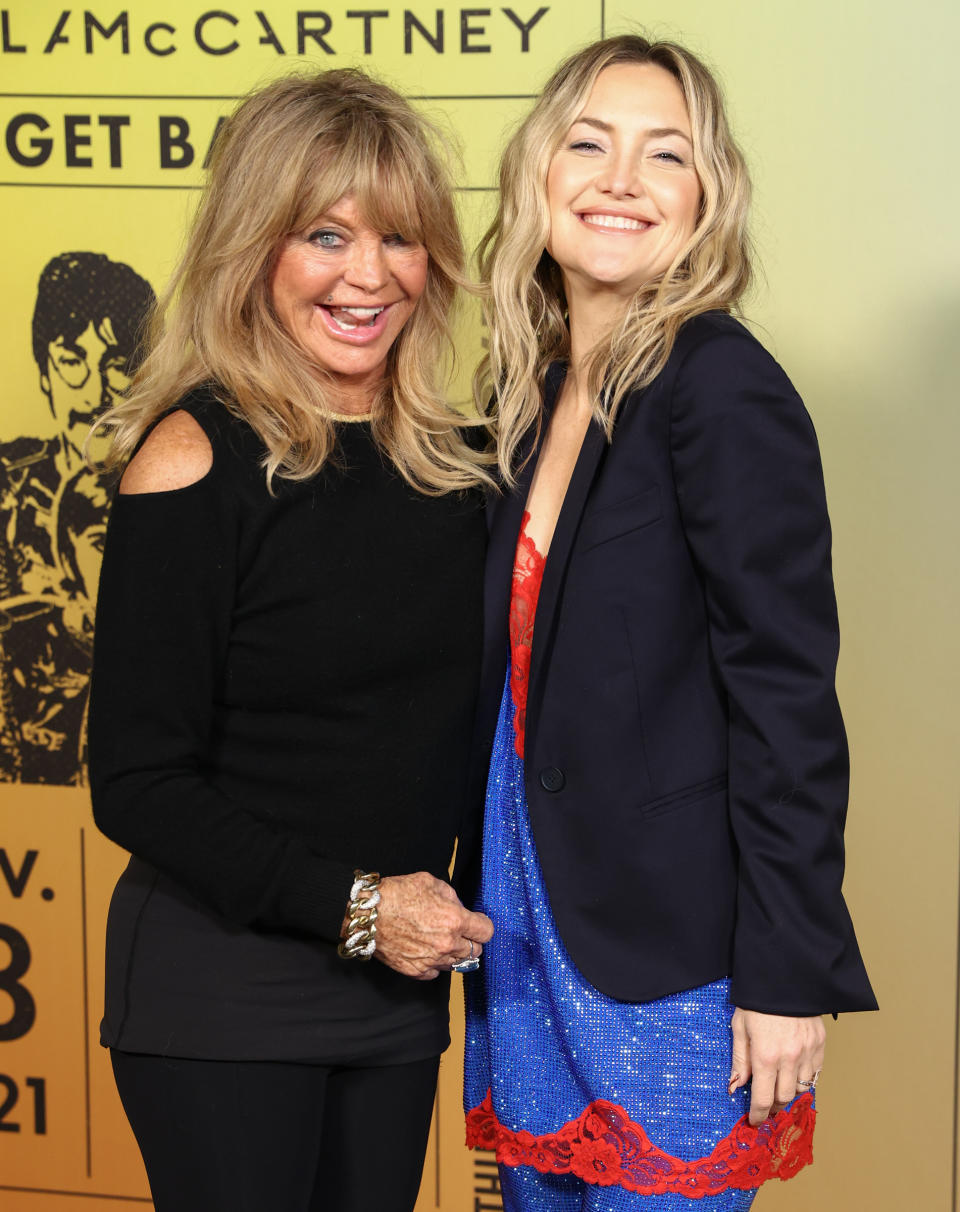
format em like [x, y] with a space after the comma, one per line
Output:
[394, 237]
[669, 156]
[585, 145]
[323, 237]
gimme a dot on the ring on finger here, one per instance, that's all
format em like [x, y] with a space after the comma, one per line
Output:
[809, 1083]
[470, 963]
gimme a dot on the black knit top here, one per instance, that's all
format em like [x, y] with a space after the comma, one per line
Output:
[283, 690]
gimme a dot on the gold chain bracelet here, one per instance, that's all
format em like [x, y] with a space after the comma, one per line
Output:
[361, 940]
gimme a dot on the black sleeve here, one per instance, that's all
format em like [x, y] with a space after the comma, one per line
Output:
[752, 502]
[163, 623]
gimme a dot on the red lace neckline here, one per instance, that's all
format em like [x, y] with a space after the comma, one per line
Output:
[604, 1146]
[528, 566]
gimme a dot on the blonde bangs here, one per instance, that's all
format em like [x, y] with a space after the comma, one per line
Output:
[380, 182]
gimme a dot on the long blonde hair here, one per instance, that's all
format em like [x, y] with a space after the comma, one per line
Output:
[524, 296]
[288, 153]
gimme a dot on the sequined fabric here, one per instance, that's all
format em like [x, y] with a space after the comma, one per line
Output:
[543, 1045]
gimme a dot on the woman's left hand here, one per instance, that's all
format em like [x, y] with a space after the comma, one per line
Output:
[777, 1052]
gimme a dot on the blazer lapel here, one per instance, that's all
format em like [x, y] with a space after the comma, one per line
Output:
[505, 514]
[554, 574]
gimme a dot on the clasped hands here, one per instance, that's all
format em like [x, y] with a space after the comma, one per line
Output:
[783, 1056]
[423, 929]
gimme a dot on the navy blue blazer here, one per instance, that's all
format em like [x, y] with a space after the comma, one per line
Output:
[686, 763]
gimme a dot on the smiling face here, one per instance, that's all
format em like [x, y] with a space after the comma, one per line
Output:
[622, 190]
[344, 291]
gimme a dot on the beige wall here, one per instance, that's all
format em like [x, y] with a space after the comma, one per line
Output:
[845, 112]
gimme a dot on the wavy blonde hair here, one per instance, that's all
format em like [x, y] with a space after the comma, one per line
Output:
[524, 297]
[287, 154]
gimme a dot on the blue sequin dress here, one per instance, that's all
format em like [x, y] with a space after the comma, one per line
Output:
[543, 1047]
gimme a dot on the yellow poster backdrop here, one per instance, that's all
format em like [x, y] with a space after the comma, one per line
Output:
[845, 113]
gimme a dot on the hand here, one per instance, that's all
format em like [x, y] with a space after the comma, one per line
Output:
[422, 928]
[778, 1052]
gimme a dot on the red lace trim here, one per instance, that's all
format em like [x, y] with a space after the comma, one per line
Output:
[528, 568]
[605, 1147]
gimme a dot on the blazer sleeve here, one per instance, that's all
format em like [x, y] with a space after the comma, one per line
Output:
[163, 623]
[752, 504]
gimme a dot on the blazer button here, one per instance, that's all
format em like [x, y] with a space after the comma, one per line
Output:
[552, 779]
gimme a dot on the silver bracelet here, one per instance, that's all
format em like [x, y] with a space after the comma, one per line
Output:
[361, 940]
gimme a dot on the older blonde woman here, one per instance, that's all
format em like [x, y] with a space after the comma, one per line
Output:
[286, 662]
[663, 850]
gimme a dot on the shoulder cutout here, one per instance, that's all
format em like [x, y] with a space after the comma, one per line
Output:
[176, 454]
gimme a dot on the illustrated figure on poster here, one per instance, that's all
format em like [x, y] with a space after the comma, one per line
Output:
[53, 511]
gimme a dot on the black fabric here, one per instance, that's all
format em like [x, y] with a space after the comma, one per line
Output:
[222, 1136]
[682, 686]
[283, 690]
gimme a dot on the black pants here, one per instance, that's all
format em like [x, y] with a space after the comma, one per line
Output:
[260, 1136]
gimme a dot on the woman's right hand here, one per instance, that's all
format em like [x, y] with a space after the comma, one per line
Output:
[423, 929]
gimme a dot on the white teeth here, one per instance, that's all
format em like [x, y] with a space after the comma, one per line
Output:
[349, 318]
[620, 221]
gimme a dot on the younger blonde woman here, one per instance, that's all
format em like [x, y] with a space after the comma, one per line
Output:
[662, 853]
